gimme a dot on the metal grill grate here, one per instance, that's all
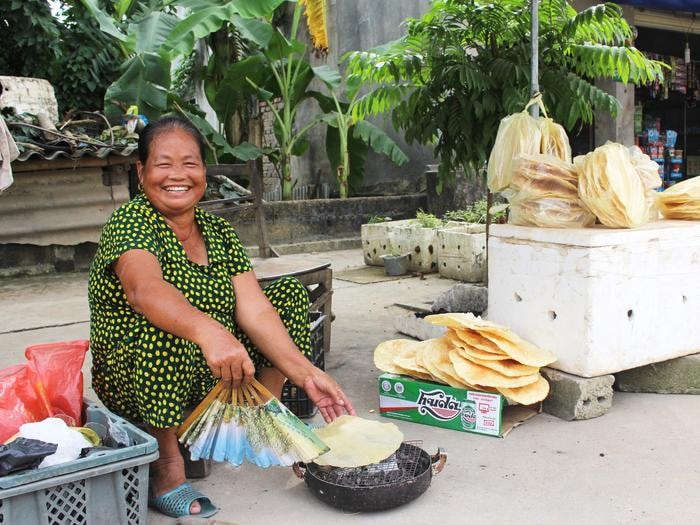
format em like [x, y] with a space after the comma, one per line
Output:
[403, 465]
[66, 504]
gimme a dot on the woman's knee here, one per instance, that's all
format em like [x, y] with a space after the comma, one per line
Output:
[287, 290]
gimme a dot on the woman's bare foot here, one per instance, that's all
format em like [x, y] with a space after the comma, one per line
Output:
[168, 471]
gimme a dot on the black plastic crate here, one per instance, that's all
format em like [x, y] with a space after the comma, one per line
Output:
[293, 396]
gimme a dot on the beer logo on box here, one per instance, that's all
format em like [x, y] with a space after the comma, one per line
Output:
[438, 404]
[468, 416]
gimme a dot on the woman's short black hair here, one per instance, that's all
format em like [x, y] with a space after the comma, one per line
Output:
[155, 128]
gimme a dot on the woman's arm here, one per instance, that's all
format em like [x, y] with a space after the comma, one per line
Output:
[165, 307]
[261, 323]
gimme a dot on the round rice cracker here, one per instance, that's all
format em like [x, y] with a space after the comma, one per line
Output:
[519, 349]
[480, 375]
[509, 342]
[356, 442]
[479, 346]
[507, 367]
[528, 394]
[407, 362]
[385, 353]
[458, 320]
[436, 360]
[458, 342]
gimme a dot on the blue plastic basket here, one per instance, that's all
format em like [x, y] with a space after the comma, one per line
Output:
[110, 485]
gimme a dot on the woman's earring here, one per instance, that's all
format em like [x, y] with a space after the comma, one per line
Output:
[140, 187]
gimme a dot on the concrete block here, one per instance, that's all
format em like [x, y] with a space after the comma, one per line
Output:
[417, 327]
[462, 298]
[419, 243]
[461, 252]
[676, 376]
[572, 397]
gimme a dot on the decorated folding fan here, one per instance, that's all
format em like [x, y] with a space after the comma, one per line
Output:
[248, 423]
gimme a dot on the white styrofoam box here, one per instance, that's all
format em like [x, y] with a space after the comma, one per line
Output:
[603, 300]
[461, 252]
[376, 242]
[419, 243]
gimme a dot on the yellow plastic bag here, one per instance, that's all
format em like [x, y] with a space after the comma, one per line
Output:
[555, 141]
[545, 174]
[647, 169]
[611, 188]
[681, 201]
[545, 194]
[517, 134]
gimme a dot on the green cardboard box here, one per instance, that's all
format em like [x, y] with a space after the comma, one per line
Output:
[438, 405]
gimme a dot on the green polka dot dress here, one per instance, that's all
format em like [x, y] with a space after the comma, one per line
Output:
[142, 372]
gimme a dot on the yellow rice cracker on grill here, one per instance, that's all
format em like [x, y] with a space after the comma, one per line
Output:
[356, 442]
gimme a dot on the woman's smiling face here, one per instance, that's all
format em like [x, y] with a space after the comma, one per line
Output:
[174, 175]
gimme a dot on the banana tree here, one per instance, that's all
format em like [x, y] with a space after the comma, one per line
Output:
[140, 31]
[151, 38]
[279, 75]
[348, 138]
[250, 60]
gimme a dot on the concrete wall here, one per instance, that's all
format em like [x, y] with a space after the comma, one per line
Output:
[63, 201]
[290, 222]
[52, 216]
[292, 227]
[359, 25]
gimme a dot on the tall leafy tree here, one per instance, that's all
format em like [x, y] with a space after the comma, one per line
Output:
[465, 65]
[29, 34]
[88, 62]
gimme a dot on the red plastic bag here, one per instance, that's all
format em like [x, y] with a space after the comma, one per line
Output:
[19, 401]
[56, 369]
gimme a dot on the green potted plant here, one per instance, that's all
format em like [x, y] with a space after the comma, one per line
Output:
[461, 245]
[418, 237]
[375, 238]
[395, 262]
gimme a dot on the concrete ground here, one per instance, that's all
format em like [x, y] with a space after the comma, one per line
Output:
[639, 463]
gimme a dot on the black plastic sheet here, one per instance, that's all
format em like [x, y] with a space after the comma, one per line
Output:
[23, 453]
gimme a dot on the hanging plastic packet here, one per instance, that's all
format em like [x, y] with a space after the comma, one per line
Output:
[555, 141]
[545, 194]
[518, 134]
[648, 171]
[611, 188]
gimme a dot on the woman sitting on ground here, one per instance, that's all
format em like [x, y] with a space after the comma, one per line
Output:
[175, 306]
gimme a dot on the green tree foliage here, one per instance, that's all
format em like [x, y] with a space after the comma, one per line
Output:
[465, 65]
[69, 51]
[29, 36]
[88, 61]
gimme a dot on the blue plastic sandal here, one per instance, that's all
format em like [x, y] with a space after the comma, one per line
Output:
[178, 501]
